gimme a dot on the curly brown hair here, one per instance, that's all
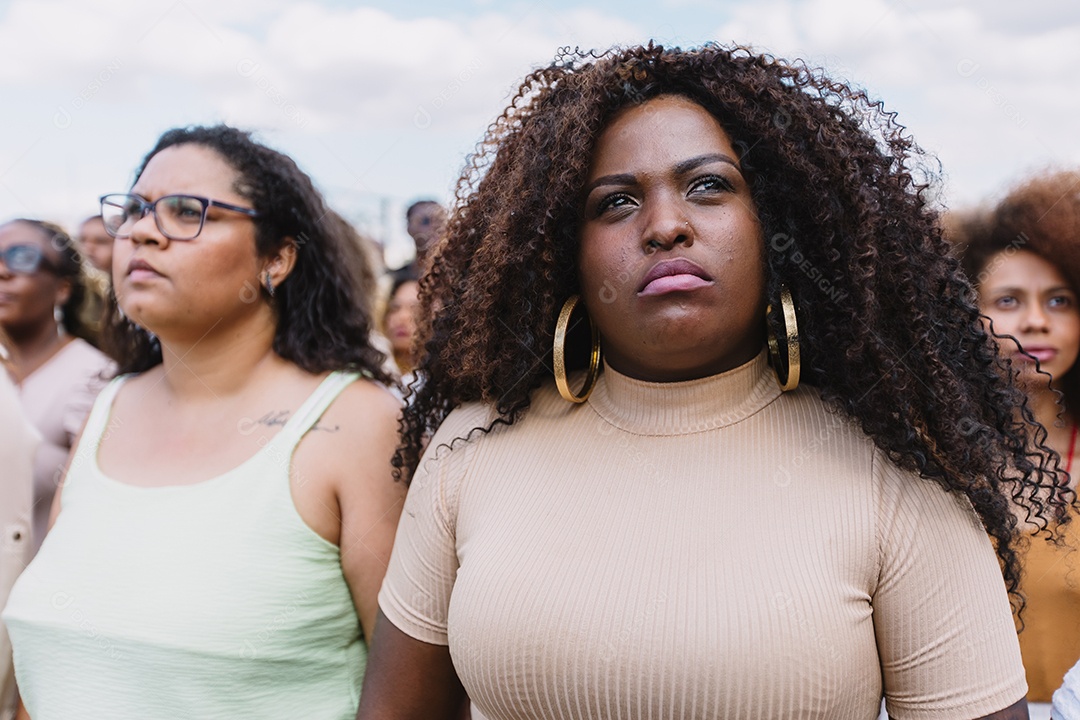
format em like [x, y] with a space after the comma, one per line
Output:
[889, 332]
[1042, 216]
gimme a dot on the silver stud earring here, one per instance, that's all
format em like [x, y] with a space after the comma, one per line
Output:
[268, 284]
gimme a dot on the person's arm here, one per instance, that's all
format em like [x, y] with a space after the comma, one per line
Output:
[409, 672]
[369, 498]
[407, 679]
[1017, 711]
[54, 510]
[20, 712]
[945, 631]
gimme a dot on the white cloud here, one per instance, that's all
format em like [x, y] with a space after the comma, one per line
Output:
[986, 89]
[401, 97]
[309, 64]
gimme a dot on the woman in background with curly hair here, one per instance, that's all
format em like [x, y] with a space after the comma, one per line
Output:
[1024, 259]
[700, 536]
[227, 515]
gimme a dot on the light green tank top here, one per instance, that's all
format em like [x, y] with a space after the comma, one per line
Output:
[212, 600]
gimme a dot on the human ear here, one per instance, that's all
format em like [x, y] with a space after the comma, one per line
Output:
[280, 264]
[63, 292]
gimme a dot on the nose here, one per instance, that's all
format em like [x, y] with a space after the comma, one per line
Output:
[145, 230]
[1035, 319]
[666, 225]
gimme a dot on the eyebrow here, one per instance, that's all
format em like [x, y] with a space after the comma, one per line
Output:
[1016, 290]
[681, 168]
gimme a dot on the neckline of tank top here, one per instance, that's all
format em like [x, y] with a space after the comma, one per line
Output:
[231, 473]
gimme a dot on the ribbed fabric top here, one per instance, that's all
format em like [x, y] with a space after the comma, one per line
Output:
[211, 600]
[705, 549]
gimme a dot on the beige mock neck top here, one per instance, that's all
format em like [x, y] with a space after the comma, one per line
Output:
[704, 549]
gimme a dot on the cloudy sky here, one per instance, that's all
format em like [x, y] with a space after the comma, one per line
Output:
[380, 102]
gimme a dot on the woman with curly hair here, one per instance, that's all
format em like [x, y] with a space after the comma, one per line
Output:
[49, 309]
[226, 518]
[1024, 259]
[683, 532]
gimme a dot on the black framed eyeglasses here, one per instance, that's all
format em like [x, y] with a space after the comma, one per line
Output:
[25, 259]
[178, 217]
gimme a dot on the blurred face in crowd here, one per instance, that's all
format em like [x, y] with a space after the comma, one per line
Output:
[30, 287]
[425, 223]
[96, 244]
[1027, 297]
[401, 317]
[671, 259]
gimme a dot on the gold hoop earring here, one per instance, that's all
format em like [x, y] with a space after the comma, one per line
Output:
[559, 355]
[789, 379]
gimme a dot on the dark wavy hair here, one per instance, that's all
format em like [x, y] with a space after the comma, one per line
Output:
[1041, 216]
[890, 334]
[81, 313]
[324, 307]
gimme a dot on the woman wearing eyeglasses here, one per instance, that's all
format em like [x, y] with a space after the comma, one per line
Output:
[227, 517]
[43, 294]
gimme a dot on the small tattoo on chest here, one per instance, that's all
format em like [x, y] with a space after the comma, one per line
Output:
[280, 417]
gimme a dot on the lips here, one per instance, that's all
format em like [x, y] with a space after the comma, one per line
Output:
[1042, 353]
[677, 275]
[139, 268]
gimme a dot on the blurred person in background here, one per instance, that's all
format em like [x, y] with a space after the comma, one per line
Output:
[96, 244]
[48, 309]
[400, 320]
[425, 221]
[226, 519]
[1024, 260]
[1067, 697]
[18, 441]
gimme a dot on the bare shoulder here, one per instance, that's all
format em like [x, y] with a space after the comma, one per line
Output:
[341, 472]
[362, 407]
[357, 434]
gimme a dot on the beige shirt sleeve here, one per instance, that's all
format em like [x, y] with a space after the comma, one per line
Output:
[944, 627]
[415, 595]
[18, 440]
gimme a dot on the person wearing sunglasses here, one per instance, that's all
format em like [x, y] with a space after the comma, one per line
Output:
[227, 517]
[45, 301]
